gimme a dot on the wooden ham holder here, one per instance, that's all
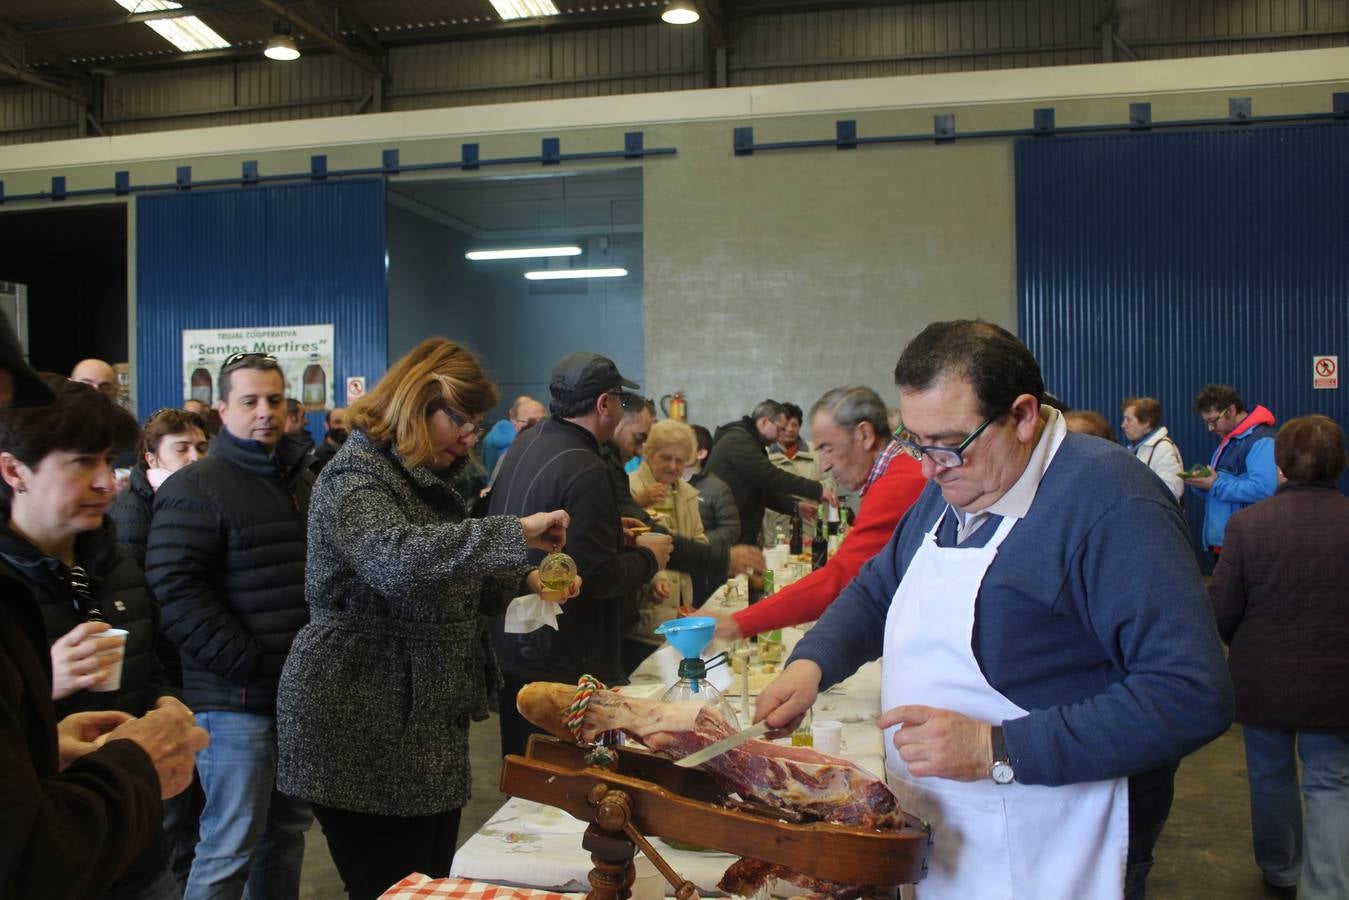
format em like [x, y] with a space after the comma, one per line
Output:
[649, 795]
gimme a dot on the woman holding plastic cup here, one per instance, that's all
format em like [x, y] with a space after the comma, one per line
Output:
[379, 688]
[56, 484]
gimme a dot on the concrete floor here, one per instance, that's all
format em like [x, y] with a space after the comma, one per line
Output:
[1204, 853]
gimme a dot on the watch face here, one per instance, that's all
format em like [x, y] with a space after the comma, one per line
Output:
[1002, 772]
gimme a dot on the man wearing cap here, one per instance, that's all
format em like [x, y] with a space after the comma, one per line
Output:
[64, 782]
[558, 463]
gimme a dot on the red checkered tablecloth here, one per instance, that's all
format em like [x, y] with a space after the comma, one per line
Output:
[423, 887]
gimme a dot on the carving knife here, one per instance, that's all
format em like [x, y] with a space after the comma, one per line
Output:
[714, 750]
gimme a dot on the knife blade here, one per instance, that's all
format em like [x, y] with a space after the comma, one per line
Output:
[714, 750]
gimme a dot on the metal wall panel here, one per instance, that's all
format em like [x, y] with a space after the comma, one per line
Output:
[28, 112]
[306, 254]
[1154, 264]
[827, 44]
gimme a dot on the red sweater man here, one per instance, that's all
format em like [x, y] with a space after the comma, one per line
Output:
[854, 446]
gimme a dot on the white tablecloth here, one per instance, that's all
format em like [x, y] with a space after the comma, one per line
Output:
[527, 843]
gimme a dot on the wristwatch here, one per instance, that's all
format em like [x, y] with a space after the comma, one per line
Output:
[1001, 771]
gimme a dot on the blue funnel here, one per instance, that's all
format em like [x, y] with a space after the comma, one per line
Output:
[688, 635]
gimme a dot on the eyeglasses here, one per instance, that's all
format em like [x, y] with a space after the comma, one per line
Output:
[1210, 421]
[945, 457]
[467, 427]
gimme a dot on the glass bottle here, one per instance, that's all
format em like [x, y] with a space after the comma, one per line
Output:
[802, 736]
[819, 548]
[200, 384]
[314, 385]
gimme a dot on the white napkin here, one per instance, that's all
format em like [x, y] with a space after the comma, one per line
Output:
[530, 613]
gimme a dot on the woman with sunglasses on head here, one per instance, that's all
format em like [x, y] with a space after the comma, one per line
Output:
[171, 439]
[56, 483]
[376, 697]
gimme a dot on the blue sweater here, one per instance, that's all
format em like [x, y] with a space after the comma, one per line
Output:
[1093, 617]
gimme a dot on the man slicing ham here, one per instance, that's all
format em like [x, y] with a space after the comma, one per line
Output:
[1049, 652]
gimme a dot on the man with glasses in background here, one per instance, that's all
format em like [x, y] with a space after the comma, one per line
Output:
[225, 557]
[1050, 653]
[1242, 469]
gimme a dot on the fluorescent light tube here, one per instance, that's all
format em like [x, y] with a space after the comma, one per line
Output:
[524, 9]
[187, 33]
[524, 253]
[558, 274]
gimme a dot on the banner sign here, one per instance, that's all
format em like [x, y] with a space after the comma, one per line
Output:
[304, 352]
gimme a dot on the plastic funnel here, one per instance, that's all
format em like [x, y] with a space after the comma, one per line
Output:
[688, 635]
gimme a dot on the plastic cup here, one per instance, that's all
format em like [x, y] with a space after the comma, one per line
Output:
[114, 680]
[649, 884]
[828, 736]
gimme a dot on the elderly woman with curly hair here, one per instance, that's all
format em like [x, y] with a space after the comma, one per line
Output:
[379, 688]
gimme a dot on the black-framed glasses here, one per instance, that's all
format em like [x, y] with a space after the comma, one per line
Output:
[945, 457]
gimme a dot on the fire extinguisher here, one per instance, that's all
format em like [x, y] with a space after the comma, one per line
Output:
[674, 407]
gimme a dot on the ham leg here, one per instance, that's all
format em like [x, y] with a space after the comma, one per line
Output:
[826, 787]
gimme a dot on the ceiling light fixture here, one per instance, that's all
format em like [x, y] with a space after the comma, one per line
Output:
[282, 46]
[524, 253]
[559, 274]
[680, 12]
[524, 9]
[187, 33]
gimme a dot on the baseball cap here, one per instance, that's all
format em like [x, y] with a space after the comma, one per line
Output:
[29, 388]
[584, 376]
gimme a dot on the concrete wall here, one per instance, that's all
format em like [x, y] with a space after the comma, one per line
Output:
[784, 273]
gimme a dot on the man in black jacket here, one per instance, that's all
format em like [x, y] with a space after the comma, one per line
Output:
[740, 458]
[226, 559]
[557, 465]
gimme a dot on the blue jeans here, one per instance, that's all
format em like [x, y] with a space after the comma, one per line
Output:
[252, 836]
[1315, 859]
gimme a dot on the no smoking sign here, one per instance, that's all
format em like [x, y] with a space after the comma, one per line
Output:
[1325, 372]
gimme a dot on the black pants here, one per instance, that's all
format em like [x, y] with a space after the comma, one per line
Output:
[372, 853]
[515, 728]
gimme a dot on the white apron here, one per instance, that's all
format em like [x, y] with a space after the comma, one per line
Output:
[991, 841]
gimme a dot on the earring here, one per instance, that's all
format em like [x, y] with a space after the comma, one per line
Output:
[21, 489]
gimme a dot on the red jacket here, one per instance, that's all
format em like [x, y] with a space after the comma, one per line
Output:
[883, 505]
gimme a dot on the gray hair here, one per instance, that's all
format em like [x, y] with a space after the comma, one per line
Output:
[849, 406]
[767, 409]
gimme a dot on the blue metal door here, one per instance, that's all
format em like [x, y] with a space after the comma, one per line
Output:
[307, 254]
[1153, 264]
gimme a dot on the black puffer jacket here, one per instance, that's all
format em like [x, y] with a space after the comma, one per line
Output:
[740, 459]
[130, 514]
[225, 558]
[118, 588]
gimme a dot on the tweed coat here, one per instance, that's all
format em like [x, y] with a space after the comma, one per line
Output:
[376, 696]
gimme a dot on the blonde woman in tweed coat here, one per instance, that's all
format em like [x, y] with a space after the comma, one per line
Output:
[376, 696]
